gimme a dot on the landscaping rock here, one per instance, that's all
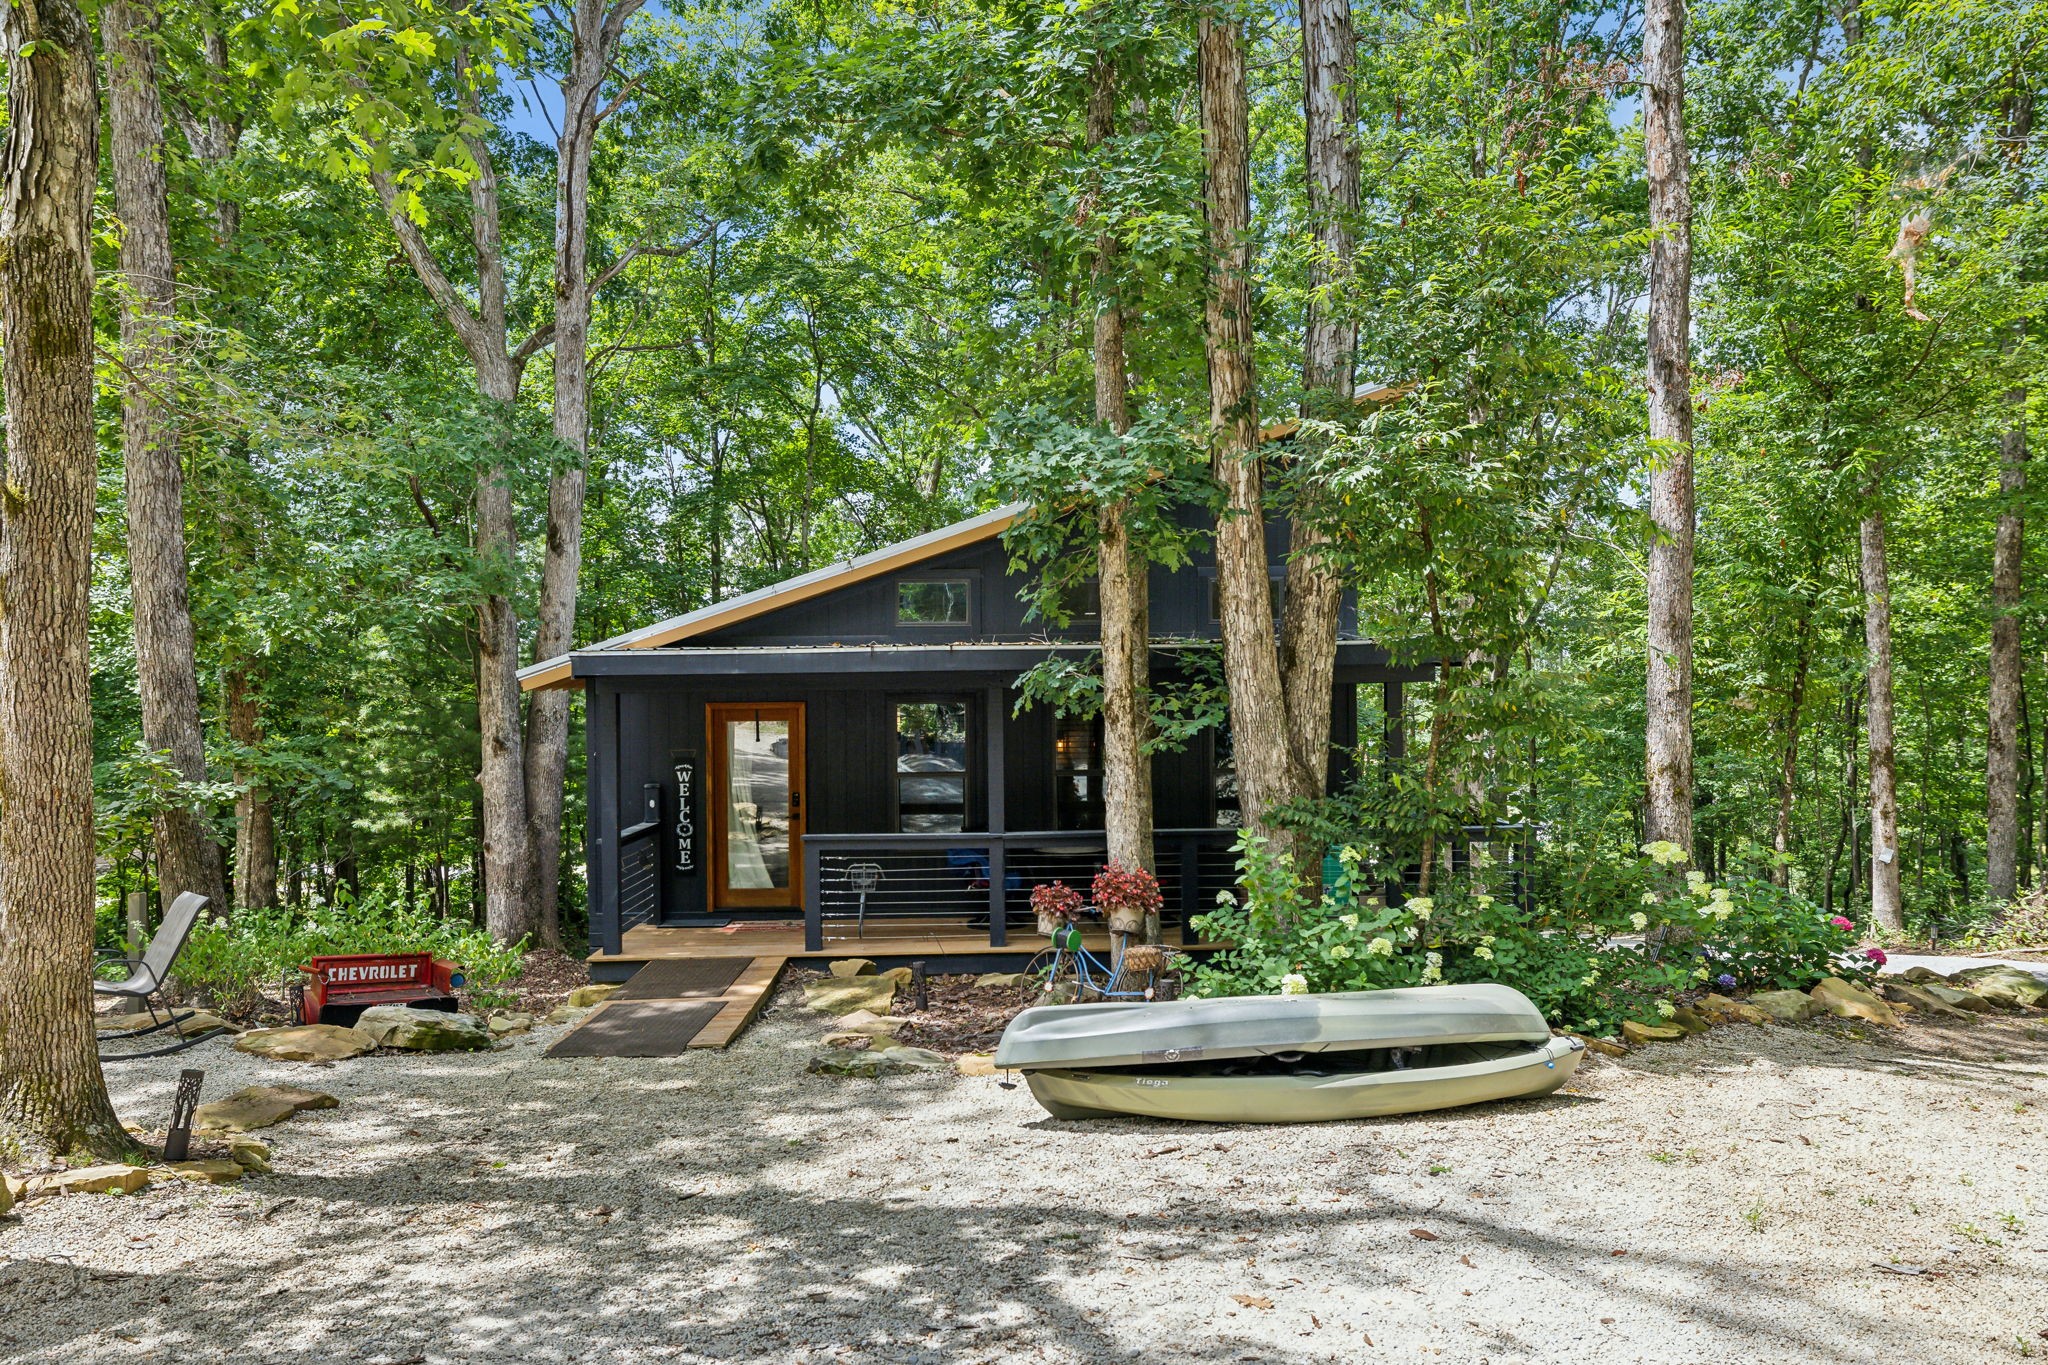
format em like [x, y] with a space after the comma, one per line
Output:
[874, 1042]
[7, 1195]
[1606, 1047]
[975, 1064]
[1921, 976]
[852, 966]
[1919, 998]
[1962, 1000]
[1847, 1000]
[418, 1030]
[1689, 1020]
[306, 1043]
[250, 1154]
[213, 1171]
[1640, 1033]
[504, 1025]
[567, 1014]
[583, 997]
[200, 1022]
[894, 1061]
[2008, 986]
[91, 1180]
[900, 975]
[998, 981]
[258, 1106]
[1786, 1007]
[867, 1021]
[844, 995]
[1720, 1009]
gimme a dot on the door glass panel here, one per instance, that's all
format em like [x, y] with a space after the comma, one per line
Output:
[931, 767]
[1077, 775]
[757, 804]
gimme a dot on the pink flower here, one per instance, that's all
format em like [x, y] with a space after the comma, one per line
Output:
[1845, 925]
[1876, 956]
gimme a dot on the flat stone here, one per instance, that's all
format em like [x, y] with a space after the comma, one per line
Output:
[975, 1064]
[852, 966]
[1720, 1009]
[583, 997]
[1786, 1007]
[867, 1021]
[306, 1043]
[566, 1014]
[1920, 976]
[258, 1106]
[250, 1154]
[1961, 999]
[91, 1180]
[873, 1042]
[200, 1022]
[505, 1025]
[1606, 1047]
[1847, 1000]
[418, 1030]
[900, 975]
[844, 995]
[870, 1062]
[213, 1171]
[998, 981]
[1640, 1033]
[1920, 998]
[1689, 1020]
[8, 1195]
[2008, 986]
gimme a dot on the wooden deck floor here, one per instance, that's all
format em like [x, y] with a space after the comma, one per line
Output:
[786, 941]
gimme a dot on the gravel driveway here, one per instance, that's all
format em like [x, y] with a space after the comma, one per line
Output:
[1729, 1198]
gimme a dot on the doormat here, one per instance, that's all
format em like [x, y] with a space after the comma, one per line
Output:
[638, 1028]
[684, 978]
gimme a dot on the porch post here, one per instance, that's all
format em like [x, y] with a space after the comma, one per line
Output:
[601, 750]
[994, 722]
[813, 899]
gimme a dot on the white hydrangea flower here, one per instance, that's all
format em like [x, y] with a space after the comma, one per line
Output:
[1664, 1009]
[1380, 947]
[1421, 906]
[1348, 921]
[1339, 951]
[1294, 983]
[1640, 920]
[1649, 898]
[1483, 952]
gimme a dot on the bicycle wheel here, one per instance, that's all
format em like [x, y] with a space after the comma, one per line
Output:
[1052, 977]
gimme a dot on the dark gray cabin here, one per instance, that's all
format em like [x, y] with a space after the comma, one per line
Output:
[842, 748]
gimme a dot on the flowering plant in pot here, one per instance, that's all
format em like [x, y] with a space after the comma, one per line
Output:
[1056, 904]
[1125, 896]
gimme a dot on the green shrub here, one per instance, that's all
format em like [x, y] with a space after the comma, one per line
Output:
[1651, 933]
[235, 963]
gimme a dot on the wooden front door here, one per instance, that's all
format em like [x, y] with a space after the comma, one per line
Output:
[757, 804]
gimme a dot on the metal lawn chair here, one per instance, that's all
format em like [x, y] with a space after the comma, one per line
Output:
[146, 977]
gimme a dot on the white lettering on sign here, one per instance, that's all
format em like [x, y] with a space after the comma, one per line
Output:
[686, 820]
[376, 971]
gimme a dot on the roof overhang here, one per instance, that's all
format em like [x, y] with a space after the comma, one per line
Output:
[561, 672]
[1357, 660]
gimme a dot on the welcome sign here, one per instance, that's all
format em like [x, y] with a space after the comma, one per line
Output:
[685, 766]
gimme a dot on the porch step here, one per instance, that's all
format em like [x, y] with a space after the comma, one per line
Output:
[671, 1004]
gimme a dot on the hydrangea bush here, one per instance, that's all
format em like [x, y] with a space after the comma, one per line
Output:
[1660, 930]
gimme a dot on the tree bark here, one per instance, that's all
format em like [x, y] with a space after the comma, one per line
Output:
[2001, 749]
[1124, 606]
[1887, 904]
[255, 816]
[52, 1094]
[166, 656]
[1258, 709]
[1668, 809]
[1314, 594]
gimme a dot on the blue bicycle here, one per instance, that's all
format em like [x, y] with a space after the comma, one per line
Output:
[1067, 973]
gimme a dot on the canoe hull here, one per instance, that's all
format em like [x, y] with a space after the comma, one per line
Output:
[1304, 1098]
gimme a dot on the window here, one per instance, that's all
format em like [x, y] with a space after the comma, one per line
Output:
[1077, 774]
[931, 767]
[1276, 588]
[932, 601]
[1082, 601]
[1229, 810]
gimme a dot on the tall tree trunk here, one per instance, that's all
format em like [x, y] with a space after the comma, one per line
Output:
[1258, 708]
[166, 664]
[1314, 593]
[1788, 749]
[1668, 810]
[2003, 854]
[1887, 905]
[1120, 574]
[255, 818]
[52, 1094]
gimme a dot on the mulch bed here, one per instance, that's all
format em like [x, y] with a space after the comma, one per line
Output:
[545, 983]
[960, 1018]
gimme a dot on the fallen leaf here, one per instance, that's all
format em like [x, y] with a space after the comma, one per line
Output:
[1424, 1234]
[1253, 1300]
[1607, 1322]
[1367, 1336]
[1617, 1253]
[1160, 1151]
[1465, 1261]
